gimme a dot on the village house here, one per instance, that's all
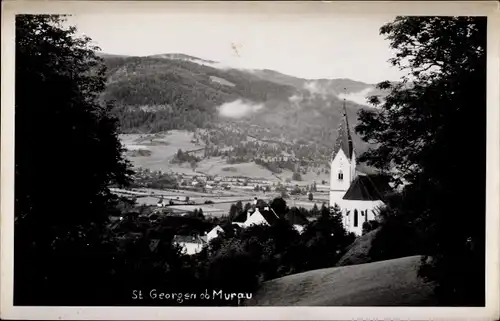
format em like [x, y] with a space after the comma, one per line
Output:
[256, 217]
[191, 244]
[267, 216]
[258, 181]
[214, 233]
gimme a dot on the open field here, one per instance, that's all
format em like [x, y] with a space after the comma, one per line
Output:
[307, 205]
[222, 199]
[385, 283]
[160, 149]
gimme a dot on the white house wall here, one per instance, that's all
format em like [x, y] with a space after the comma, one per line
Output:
[191, 248]
[298, 228]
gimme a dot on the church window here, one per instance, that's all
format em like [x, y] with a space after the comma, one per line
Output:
[355, 218]
[366, 216]
[341, 176]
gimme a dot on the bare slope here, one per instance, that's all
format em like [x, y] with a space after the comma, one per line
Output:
[385, 283]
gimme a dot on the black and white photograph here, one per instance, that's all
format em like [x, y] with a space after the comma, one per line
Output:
[259, 157]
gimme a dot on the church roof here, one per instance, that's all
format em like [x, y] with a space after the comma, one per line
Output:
[344, 138]
[368, 188]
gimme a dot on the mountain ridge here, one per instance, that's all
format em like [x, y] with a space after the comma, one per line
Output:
[177, 91]
[263, 71]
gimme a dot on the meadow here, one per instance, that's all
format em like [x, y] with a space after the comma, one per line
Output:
[162, 147]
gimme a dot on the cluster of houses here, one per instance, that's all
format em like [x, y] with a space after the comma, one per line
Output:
[222, 182]
[284, 157]
[264, 215]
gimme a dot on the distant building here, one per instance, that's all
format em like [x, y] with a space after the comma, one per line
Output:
[190, 244]
[255, 216]
[214, 233]
[359, 195]
[258, 181]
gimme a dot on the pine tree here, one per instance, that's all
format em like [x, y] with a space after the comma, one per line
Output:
[239, 207]
[233, 212]
[315, 210]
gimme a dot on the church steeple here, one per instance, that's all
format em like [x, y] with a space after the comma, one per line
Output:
[344, 138]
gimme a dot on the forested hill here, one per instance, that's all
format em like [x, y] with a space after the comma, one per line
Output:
[176, 91]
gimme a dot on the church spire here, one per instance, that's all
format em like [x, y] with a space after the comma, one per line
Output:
[344, 138]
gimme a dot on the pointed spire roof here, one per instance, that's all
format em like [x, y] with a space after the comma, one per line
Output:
[344, 138]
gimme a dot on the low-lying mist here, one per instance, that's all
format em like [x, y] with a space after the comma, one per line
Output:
[238, 109]
[360, 97]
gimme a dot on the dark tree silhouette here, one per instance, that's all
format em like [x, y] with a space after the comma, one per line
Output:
[421, 129]
[67, 154]
[279, 206]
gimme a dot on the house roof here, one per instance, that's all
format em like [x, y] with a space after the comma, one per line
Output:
[269, 215]
[217, 228]
[266, 211]
[187, 239]
[344, 138]
[368, 188]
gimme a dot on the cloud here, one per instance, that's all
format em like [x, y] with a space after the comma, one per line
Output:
[314, 88]
[318, 89]
[213, 64]
[238, 109]
[359, 97]
[217, 65]
[296, 98]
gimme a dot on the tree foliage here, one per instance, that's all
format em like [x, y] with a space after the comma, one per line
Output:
[67, 154]
[431, 130]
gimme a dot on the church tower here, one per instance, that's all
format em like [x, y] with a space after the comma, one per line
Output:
[342, 162]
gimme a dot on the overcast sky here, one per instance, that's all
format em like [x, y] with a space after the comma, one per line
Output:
[308, 46]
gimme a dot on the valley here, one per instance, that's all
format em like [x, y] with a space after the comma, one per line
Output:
[188, 121]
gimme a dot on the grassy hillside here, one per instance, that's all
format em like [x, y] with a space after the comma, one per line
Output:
[385, 283]
[358, 251]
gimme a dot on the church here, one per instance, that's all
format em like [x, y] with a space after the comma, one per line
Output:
[358, 194]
